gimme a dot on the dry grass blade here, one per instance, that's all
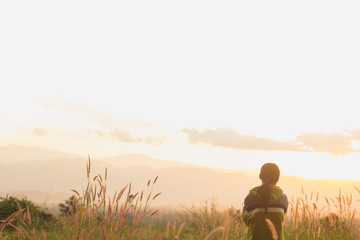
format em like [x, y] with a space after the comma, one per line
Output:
[167, 229]
[141, 233]
[180, 229]
[272, 229]
[129, 192]
[114, 197]
[43, 233]
[18, 204]
[160, 236]
[93, 194]
[226, 227]
[156, 195]
[147, 213]
[135, 195]
[12, 217]
[88, 167]
[121, 193]
[174, 227]
[356, 189]
[214, 232]
[91, 232]
[77, 193]
[17, 228]
[154, 213]
[28, 214]
[296, 214]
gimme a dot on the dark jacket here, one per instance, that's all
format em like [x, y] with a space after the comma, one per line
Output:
[255, 214]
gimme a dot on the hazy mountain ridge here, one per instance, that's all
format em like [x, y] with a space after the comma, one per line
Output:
[129, 160]
[13, 153]
[179, 183]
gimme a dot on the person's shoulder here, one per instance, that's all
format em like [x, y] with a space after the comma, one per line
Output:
[249, 197]
[250, 202]
[283, 198]
[252, 194]
[283, 202]
[283, 195]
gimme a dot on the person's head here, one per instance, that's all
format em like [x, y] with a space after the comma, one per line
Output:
[270, 173]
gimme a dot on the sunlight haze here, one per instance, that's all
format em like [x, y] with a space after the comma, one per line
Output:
[228, 85]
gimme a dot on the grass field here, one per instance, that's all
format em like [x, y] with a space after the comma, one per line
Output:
[92, 214]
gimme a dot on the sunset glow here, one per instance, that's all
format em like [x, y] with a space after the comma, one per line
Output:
[230, 85]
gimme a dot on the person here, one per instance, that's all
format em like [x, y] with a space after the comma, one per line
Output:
[265, 206]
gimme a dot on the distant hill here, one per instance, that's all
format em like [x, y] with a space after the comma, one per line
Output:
[15, 153]
[183, 185]
[132, 160]
[179, 183]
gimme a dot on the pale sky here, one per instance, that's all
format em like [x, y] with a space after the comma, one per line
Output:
[230, 84]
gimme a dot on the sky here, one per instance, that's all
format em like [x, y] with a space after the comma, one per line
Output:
[230, 84]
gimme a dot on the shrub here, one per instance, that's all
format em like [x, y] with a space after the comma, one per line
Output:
[10, 205]
[68, 207]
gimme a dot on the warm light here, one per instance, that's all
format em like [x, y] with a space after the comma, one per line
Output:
[355, 144]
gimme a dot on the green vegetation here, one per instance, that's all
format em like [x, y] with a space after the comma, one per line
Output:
[10, 205]
[68, 207]
[92, 214]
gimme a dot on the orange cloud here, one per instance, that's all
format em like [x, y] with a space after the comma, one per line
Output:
[39, 132]
[227, 137]
[127, 137]
[335, 144]
[123, 136]
[97, 117]
[97, 131]
[354, 133]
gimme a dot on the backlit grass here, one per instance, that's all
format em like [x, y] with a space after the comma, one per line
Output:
[126, 215]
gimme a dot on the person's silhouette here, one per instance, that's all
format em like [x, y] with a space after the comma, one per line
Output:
[265, 206]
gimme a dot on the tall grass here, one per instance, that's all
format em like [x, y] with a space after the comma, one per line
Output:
[97, 215]
[306, 219]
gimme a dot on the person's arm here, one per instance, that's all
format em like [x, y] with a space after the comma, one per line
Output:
[286, 203]
[283, 202]
[245, 215]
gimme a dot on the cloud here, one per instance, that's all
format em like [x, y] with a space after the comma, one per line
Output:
[152, 141]
[97, 132]
[335, 144]
[227, 137]
[39, 132]
[97, 117]
[126, 136]
[123, 136]
[354, 133]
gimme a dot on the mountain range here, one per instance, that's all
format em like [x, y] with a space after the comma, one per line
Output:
[47, 176]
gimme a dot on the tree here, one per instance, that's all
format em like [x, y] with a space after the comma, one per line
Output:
[10, 205]
[69, 206]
